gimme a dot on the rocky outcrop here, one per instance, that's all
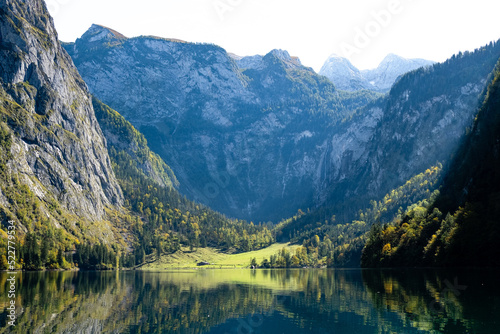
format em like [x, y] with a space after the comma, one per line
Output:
[57, 148]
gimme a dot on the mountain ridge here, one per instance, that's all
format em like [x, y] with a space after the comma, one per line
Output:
[306, 130]
[346, 76]
[263, 137]
[420, 123]
[460, 226]
[57, 183]
[220, 118]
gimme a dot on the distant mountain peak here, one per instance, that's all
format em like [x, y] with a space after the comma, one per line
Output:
[257, 61]
[336, 59]
[343, 74]
[285, 57]
[347, 77]
[392, 56]
[115, 33]
[249, 62]
[98, 34]
[390, 68]
[281, 54]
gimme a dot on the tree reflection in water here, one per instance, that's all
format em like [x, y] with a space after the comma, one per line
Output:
[254, 301]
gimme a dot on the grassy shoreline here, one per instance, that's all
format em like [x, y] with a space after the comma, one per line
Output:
[185, 259]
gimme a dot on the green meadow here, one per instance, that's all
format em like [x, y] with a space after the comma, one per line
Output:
[185, 259]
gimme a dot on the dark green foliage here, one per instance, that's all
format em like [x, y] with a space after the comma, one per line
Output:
[5, 144]
[42, 250]
[93, 257]
[31, 252]
[394, 155]
[282, 259]
[5, 137]
[374, 245]
[34, 217]
[356, 101]
[42, 241]
[454, 73]
[345, 241]
[467, 233]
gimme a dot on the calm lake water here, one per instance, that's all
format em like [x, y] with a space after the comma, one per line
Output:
[255, 301]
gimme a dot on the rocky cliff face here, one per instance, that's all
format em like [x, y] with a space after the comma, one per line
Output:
[244, 135]
[56, 146]
[259, 137]
[346, 76]
[421, 122]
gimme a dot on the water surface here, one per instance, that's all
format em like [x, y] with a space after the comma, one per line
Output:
[255, 301]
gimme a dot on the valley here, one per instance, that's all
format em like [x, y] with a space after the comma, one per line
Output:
[169, 185]
[116, 151]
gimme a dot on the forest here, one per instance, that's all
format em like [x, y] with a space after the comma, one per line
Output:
[460, 226]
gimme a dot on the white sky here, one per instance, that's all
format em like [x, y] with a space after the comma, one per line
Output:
[311, 30]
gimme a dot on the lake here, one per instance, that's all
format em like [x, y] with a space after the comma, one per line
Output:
[254, 301]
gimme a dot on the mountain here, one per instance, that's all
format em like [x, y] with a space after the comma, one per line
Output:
[259, 137]
[55, 168]
[419, 124]
[257, 62]
[346, 76]
[79, 183]
[127, 144]
[388, 71]
[460, 227]
[245, 136]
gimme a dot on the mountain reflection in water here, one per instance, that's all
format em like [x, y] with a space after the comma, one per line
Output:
[255, 301]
